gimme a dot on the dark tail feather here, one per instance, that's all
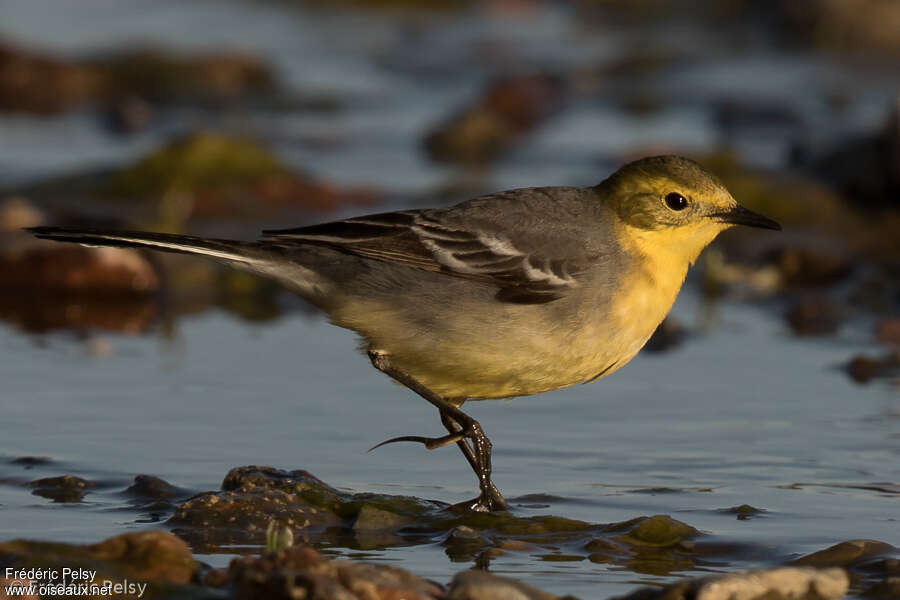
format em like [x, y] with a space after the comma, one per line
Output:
[249, 253]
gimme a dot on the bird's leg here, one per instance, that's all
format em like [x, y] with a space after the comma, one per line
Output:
[460, 427]
[480, 463]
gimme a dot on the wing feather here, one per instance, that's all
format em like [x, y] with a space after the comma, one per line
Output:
[440, 241]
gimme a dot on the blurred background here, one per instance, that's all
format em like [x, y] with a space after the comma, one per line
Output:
[774, 383]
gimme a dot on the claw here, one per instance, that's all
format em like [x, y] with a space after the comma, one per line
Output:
[429, 443]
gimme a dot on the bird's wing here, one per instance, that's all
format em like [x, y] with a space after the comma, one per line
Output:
[497, 240]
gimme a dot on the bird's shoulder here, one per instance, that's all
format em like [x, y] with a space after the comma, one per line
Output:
[533, 244]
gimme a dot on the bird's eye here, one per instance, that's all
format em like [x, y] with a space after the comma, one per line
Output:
[676, 201]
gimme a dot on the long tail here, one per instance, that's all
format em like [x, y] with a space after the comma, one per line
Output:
[248, 253]
[274, 261]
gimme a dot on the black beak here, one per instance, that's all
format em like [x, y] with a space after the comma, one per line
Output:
[741, 216]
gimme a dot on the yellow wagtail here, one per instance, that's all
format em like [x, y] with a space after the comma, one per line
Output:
[509, 294]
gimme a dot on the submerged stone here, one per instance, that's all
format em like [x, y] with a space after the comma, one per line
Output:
[148, 487]
[772, 584]
[845, 554]
[66, 488]
[479, 585]
[863, 368]
[304, 573]
[146, 556]
[658, 530]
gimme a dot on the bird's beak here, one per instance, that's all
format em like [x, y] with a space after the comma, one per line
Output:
[741, 216]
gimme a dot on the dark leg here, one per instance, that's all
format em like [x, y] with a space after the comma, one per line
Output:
[460, 427]
[479, 465]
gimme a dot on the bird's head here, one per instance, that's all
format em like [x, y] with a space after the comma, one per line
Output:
[672, 202]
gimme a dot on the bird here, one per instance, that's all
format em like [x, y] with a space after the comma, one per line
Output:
[509, 294]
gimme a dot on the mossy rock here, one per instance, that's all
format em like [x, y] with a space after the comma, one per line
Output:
[198, 162]
[659, 530]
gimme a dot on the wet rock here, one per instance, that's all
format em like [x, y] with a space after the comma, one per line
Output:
[77, 270]
[480, 585]
[809, 265]
[301, 572]
[253, 496]
[815, 316]
[66, 488]
[668, 335]
[887, 331]
[164, 76]
[658, 530]
[848, 25]
[845, 554]
[155, 556]
[773, 584]
[506, 110]
[37, 83]
[45, 285]
[214, 519]
[16, 213]
[371, 518]
[603, 551]
[209, 174]
[889, 589]
[148, 487]
[863, 368]
[464, 543]
[215, 578]
[27, 263]
[744, 512]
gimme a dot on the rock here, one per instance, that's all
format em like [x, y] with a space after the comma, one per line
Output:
[803, 266]
[164, 76]
[843, 25]
[815, 316]
[45, 285]
[889, 589]
[16, 213]
[506, 110]
[887, 331]
[788, 583]
[37, 83]
[371, 518]
[34, 82]
[744, 511]
[845, 554]
[27, 263]
[66, 488]
[863, 368]
[464, 543]
[480, 585]
[301, 572]
[150, 555]
[154, 556]
[253, 496]
[658, 530]
[214, 519]
[211, 174]
[148, 487]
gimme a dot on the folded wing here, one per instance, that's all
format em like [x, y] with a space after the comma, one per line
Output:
[462, 241]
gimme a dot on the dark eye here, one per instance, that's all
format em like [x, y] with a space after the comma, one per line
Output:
[676, 201]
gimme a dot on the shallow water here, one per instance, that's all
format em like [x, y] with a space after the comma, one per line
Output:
[741, 413]
[738, 415]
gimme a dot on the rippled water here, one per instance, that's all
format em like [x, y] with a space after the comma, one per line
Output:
[741, 413]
